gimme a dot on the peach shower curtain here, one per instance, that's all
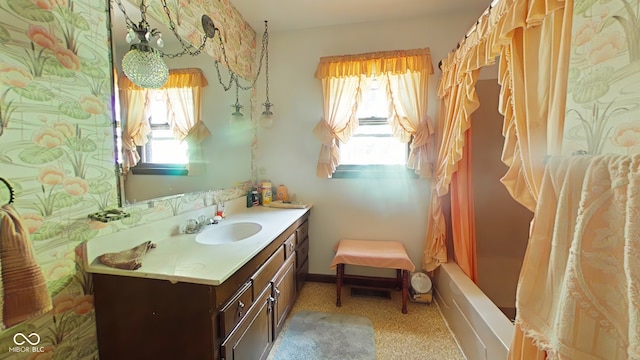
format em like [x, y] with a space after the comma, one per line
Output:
[532, 39]
[463, 214]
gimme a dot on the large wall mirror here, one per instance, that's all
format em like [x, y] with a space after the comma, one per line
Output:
[226, 153]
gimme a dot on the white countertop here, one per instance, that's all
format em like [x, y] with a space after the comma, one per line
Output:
[179, 258]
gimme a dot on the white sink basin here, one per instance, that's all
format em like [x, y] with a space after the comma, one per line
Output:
[225, 233]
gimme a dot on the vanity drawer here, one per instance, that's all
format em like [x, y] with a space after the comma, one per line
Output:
[302, 232]
[267, 271]
[302, 252]
[290, 245]
[235, 309]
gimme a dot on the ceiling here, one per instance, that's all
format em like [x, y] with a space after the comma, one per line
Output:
[287, 15]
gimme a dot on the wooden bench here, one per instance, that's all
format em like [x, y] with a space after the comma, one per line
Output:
[374, 253]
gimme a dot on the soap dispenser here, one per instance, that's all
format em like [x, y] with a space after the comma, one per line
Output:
[282, 193]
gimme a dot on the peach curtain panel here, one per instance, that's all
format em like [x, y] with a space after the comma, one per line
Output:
[463, 213]
[583, 302]
[341, 98]
[532, 39]
[408, 118]
[458, 101]
[135, 128]
[404, 73]
[184, 96]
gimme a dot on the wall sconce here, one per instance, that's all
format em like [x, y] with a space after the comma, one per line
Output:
[143, 63]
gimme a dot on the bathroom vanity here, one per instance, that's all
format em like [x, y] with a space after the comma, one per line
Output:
[195, 301]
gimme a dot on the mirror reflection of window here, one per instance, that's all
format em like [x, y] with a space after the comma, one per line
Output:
[163, 147]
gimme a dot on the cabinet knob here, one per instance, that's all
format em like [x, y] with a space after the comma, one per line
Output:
[291, 246]
[240, 308]
[277, 293]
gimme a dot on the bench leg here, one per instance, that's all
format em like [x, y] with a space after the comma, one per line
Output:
[405, 290]
[339, 275]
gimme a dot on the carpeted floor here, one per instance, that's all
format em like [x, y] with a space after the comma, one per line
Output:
[421, 334]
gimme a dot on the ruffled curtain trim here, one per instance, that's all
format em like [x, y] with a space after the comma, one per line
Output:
[375, 63]
[491, 38]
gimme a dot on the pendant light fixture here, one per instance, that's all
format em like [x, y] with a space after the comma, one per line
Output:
[143, 63]
[266, 118]
[236, 115]
[144, 66]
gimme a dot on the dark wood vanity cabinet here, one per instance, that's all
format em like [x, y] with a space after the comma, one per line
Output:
[253, 337]
[140, 318]
[284, 292]
[302, 254]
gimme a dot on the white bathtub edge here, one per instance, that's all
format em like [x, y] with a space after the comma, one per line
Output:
[480, 328]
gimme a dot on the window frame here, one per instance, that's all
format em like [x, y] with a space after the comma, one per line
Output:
[377, 171]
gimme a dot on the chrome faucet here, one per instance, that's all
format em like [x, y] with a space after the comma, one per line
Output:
[193, 226]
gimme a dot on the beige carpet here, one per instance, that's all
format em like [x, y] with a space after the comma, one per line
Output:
[421, 334]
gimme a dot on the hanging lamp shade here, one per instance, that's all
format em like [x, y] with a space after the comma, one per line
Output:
[144, 67]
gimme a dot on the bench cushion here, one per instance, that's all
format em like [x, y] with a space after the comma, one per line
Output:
[374, 253]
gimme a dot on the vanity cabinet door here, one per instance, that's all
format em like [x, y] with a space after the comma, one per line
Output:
[284, 293]
[235, 309]
[302, 262]
[253, 337]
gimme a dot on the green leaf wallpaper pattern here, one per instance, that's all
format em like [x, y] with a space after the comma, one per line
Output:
[601, 114]
[592, 85]
[29, 11]
[56, 136]
[35, 91]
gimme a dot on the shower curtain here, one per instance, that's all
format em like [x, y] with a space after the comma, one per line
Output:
[532, 100]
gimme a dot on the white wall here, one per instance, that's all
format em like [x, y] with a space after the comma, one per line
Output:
[388, 209]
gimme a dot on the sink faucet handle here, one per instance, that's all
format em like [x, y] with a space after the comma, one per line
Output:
[191, 227]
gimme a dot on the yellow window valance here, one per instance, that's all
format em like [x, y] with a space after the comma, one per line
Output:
[178, 78]
[375, 63]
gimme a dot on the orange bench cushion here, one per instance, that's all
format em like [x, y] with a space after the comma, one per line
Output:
[374, 253]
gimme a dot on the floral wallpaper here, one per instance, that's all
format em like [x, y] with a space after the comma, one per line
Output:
[603, 103]
[57, 152]
[239, 38]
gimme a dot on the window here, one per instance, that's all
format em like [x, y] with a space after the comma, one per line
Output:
[163, 154]
[161, 132]
[372, 150]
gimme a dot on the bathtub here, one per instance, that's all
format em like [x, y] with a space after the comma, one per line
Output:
[482, 331]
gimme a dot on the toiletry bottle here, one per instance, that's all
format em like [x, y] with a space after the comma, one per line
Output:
[249, 199]
[282, 194]
[255, 197]
[266, 193]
